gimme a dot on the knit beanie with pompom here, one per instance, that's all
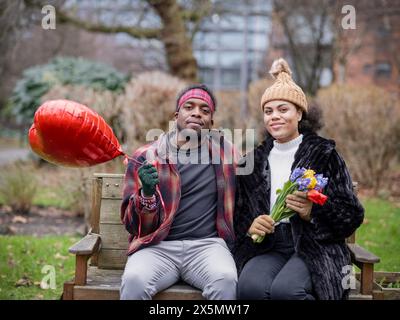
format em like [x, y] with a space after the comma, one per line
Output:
[284, 88]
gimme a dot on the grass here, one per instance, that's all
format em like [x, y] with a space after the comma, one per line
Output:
[380, 233]
[22, 258]
[52, 197]
[49, 197]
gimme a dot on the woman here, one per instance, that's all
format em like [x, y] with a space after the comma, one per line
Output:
[300, 258]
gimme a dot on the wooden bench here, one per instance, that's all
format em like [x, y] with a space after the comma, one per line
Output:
[364, 260]
[101, 254]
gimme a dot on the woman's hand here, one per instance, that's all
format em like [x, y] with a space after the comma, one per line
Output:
[299, 203]
[262, 225]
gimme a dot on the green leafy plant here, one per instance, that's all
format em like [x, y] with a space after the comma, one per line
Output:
[38, 80]
[391, 285]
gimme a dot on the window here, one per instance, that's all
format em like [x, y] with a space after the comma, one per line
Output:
[230, 78]
[383, 31]
[383, 70]
[207, 76]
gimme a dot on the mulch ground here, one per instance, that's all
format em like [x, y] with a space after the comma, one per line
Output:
[40, 222]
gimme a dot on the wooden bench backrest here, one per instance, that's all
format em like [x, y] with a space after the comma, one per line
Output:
[105, 220]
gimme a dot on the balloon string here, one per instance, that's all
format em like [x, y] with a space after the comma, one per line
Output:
[126, 158]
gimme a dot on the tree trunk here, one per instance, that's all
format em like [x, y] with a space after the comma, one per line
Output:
[178, 45]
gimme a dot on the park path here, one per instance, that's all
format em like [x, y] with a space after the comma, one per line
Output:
[13, 154]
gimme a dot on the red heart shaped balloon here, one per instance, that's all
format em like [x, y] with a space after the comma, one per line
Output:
[67, 133]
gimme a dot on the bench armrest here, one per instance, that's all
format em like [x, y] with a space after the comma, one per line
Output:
[89, 245]
[359, 254]
[365, 260]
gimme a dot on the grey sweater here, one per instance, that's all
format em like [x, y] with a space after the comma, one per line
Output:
[196, 215]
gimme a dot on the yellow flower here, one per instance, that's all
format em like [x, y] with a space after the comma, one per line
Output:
[309, 174]
[313, 183]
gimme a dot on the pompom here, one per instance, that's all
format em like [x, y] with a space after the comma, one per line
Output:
[278, 66]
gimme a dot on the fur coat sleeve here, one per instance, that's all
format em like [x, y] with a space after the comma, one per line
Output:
[342, 214]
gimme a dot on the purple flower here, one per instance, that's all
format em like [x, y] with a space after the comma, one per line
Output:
[303, 183]
[321, 182]
[297, 173]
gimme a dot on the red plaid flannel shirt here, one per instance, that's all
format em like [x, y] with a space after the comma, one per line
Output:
[133, 214]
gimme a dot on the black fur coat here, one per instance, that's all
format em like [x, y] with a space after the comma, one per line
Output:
[321, 242]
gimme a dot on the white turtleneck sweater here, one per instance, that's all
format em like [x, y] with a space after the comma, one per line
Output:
[280, 160]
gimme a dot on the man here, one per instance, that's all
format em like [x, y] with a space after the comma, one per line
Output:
[178, 204]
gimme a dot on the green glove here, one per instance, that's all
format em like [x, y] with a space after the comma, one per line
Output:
[149, 177]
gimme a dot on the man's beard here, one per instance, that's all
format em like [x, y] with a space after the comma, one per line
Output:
[180, 129]
[200, 134]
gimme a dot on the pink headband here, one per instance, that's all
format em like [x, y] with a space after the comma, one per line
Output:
[198, 94]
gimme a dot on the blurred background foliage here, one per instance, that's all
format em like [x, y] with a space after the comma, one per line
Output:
[61, 71]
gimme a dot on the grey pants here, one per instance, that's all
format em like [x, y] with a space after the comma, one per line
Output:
[206, 264]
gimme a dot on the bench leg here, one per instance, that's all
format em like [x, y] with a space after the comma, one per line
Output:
[68, 293]
[81, 270]
[367, 278]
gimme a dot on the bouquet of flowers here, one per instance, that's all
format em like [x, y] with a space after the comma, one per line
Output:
[301, 179]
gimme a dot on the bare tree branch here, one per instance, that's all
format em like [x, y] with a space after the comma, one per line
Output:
[135, 32]
[304, 32]
[197, 17]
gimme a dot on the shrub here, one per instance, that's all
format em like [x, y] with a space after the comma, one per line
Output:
[38, 80]
[229, 112]
[18, 186]
[227, 115]
[364, 122]
[149, 102]
[256, 116]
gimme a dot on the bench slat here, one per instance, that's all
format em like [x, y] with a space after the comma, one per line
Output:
[112, 259]
[359, 254]
[105, 285]
[110, 211]
[86, 245]
[112, 188]
[113, 236]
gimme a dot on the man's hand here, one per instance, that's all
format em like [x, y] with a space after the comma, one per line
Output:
[262, 225]
[299, 203]
[149, 177]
